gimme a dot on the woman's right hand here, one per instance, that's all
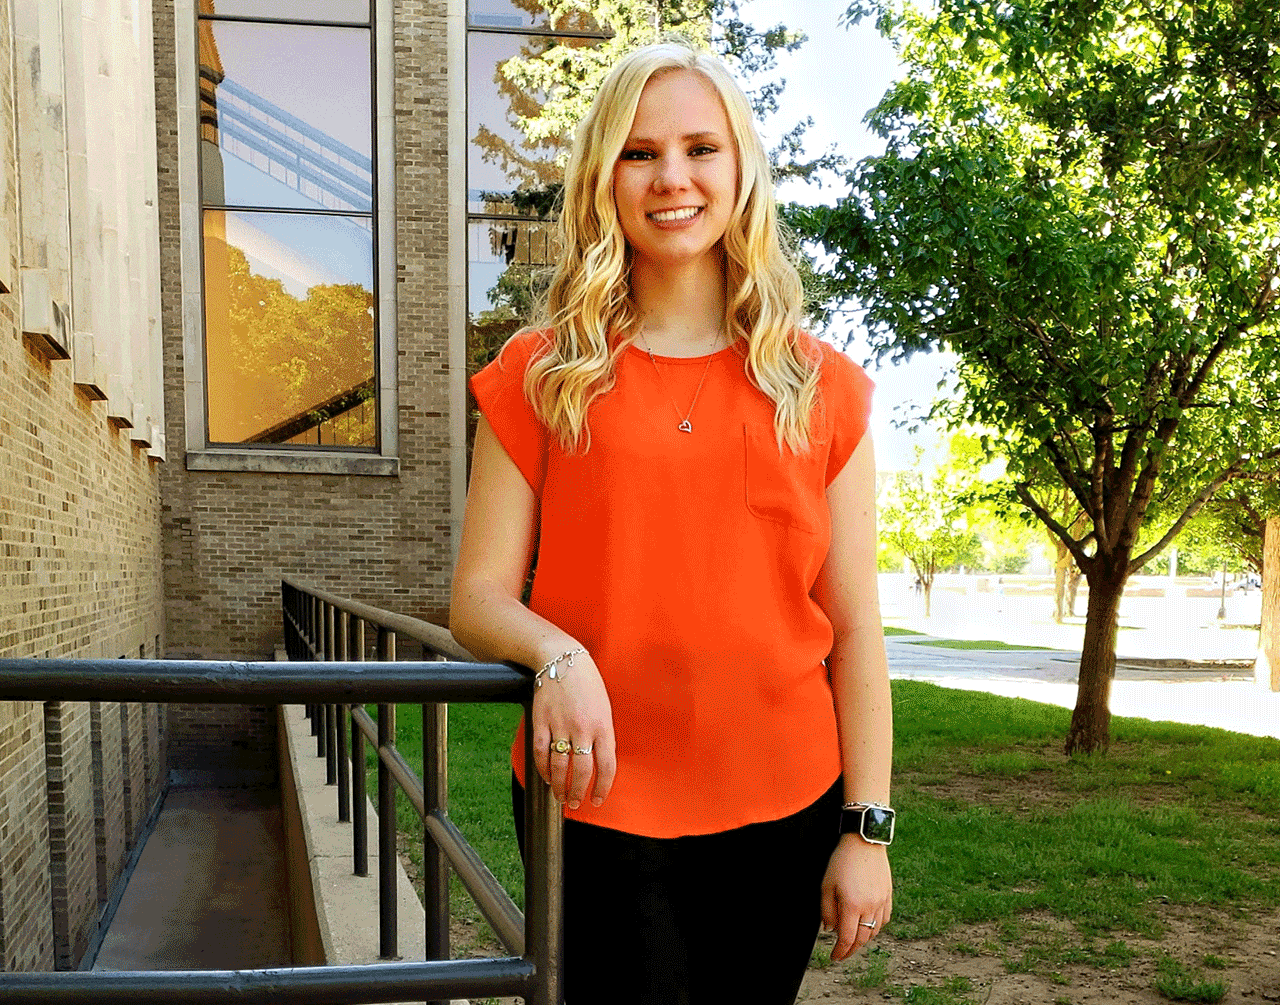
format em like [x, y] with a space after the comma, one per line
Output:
[574, 706]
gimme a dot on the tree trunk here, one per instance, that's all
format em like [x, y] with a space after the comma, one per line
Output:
[928, 598]
[1267, 667]
[1063, 563]
[1091, 720]
[1059, 593]
[1073, 587]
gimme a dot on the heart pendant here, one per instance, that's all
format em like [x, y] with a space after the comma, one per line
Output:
[685, 427]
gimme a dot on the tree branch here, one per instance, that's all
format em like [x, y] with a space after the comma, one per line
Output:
[1229, 473]
[1066, 472]
[1096, 506]
[1045, 517]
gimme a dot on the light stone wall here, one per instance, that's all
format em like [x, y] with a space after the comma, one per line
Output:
[79, 486]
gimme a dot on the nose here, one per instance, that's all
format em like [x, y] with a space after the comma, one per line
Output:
[672, 174]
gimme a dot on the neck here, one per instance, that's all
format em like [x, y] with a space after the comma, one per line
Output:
[681, 311]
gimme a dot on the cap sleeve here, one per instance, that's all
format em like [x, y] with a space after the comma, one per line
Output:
[499, 391]
[846, 391]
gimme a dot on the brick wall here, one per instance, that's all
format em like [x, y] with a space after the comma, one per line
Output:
[26, 919]
[230, 536]
[79, 490]
[111, 841]
[73, 871]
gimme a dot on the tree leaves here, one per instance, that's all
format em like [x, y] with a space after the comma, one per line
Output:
[1070, 201]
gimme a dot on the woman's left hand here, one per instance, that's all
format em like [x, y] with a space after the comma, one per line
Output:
[856, 891]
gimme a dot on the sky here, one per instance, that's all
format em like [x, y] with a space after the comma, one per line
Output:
[836, 77]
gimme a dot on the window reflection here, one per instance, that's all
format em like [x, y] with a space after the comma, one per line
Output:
[291, 10]
[500, 159]
[285, 116]
[289, 329]
[517, 14]
[509, 267]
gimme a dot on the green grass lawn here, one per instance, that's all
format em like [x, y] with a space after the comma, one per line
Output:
[996, 826]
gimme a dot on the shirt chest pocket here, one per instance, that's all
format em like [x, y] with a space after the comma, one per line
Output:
[781, 486]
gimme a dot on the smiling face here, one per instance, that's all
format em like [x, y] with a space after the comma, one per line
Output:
[676, 180]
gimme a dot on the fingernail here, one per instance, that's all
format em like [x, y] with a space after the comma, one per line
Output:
[596, 800]
[573, 805]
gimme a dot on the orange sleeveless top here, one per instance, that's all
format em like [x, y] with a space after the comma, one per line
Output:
[684, 563]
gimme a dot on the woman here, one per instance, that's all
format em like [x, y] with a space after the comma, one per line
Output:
[694, 474]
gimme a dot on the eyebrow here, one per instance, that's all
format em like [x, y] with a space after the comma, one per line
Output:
[687, 138]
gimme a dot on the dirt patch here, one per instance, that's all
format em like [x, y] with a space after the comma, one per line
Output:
[1042, 966]
[1040, 969]
[1033, 788]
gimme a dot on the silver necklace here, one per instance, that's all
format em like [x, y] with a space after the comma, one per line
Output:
[685, 426]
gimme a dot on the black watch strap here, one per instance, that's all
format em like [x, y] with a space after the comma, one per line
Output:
[872, 822]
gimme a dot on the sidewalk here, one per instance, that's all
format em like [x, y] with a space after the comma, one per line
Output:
[209, 890]
[1195, 697]
[1219, 691]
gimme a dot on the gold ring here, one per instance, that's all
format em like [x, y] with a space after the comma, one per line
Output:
[561, 747]
[584, 750]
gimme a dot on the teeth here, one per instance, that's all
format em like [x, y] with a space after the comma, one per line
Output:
[670, 215]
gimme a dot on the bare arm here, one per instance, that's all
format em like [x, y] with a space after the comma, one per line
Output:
[858, 886]
[486, 616]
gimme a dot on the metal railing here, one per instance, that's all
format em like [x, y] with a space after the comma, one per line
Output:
[326, 639]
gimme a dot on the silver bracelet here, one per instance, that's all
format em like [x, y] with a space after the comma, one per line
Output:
[551, 667]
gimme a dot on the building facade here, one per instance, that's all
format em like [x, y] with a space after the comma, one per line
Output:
[242, 245]
[81, 445]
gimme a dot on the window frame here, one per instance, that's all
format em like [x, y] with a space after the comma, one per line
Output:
[472, 217]
[201, 454]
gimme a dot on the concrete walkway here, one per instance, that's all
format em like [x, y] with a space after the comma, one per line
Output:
[209, 889]
[1225, 696]
[1176, 660]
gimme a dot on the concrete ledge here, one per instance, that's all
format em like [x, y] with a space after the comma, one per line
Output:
[346, 905]
[293, 462]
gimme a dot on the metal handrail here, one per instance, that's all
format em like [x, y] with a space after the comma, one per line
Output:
[435, 638]
[325, 637]
[324, 625]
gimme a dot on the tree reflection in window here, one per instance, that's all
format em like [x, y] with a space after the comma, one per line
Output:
[288, 227]
[282, 368]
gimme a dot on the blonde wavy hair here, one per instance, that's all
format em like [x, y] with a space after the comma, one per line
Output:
[588, 299]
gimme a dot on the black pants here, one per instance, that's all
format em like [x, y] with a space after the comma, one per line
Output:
[728, 917]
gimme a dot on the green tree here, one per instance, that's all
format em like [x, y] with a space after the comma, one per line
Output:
[548, 85]
[1079, 199]
[923, 515]
[305, 360]
[1230, 529]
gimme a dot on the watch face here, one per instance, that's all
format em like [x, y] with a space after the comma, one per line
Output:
[877, 824]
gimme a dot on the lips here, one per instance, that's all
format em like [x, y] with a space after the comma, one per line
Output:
[675, 215]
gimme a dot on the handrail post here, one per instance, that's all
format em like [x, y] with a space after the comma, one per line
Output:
[342, 721]
[435, 866]
[321, 729]
[331, 711]
[311, 605]
[317, 720]
[359, 815]
[543, 880]
[387, 920]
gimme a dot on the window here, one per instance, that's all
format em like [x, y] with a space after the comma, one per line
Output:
[288, 225]
[512, 182]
